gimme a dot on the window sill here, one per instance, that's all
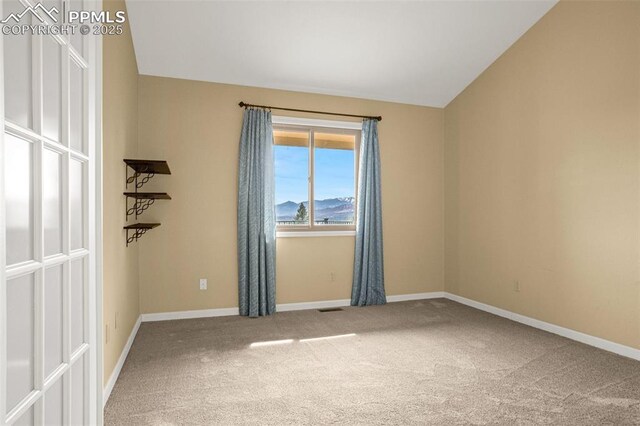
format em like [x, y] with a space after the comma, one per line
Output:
[306, 234]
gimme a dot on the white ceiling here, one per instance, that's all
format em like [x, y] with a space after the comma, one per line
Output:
[422, 53]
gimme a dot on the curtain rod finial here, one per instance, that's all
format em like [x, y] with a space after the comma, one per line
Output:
[241, 104]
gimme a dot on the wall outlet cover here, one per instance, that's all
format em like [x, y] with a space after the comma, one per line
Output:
[203, 283]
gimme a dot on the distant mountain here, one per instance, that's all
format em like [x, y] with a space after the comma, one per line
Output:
[334, 202]
[341, 208]
[288, 209]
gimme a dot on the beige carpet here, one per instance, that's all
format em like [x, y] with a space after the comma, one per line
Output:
[424, 362]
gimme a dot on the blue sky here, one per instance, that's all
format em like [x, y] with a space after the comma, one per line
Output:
[334, 173]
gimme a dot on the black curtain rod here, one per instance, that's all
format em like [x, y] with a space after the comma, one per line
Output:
[244, 105]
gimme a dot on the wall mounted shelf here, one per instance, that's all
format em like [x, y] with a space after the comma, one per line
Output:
[150, 168]
[142, 201]
[138, 229]
[143, 171]
[148, 195]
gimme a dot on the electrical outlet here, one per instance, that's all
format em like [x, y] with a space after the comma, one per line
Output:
[203, 283]
[332, 276]
[516, 286]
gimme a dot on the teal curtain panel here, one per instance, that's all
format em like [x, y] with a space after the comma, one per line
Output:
[368, 265]
[256, 216]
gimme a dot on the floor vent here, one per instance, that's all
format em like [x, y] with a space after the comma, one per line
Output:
[329, 309]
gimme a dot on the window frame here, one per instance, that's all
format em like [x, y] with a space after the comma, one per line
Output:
[320, 126]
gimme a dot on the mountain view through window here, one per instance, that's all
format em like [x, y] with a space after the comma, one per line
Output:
[331, 158]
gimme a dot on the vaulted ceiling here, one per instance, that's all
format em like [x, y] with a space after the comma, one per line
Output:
[420, 52]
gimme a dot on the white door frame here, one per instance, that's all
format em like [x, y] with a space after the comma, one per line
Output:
[3, 256]
[94, 228]
[96, 319]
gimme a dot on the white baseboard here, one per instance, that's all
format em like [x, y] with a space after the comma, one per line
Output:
[339, 303]
[416, 296]
[200, 313]
[106, 393]
[587, 339]
[223, 312]
[281, 307]
[323, 304]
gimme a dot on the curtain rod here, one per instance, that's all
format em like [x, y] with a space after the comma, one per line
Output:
[244, 105]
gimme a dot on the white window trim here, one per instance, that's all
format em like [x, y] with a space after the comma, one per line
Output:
[312, 122]
[314, 234]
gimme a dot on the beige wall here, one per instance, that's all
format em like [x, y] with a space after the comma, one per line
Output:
[541, 169]
[195, 126]
[120, 140]
[542, 174]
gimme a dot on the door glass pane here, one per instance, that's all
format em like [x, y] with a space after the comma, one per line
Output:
[77, 392]
[77, 39]
[335, 179]
[76, 85]
[19, 199]
[77, 303]
[51, 88]
[52, 319]
[291, 157]
[53, 3]
[52, 202]
[17, 70]
[26, 419]
[20, 305]
[76, 194]
[53, 405]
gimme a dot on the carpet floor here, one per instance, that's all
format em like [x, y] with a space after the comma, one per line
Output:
[421, 362]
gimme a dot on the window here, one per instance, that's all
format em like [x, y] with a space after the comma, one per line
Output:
[315, 176]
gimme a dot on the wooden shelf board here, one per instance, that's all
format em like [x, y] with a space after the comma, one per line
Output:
[159, 167]
[148, 195]
[142, 226]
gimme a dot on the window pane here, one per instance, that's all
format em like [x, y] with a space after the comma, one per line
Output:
[77, 303]
[78, 393]
[334, 180]
[76, 213]
[19, 199]
[53, 405]
[291, 156]
[77, 39]
[52, 319]
[76, 100]
[20, 302]
[17, 69]
[52, 202]
[51, 89]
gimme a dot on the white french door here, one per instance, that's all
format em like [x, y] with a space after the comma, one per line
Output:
[48, 296]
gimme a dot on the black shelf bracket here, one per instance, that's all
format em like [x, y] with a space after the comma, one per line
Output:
[142, 201]
[134, 232]
[137, 233]
[134, 178]
[139, 206]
